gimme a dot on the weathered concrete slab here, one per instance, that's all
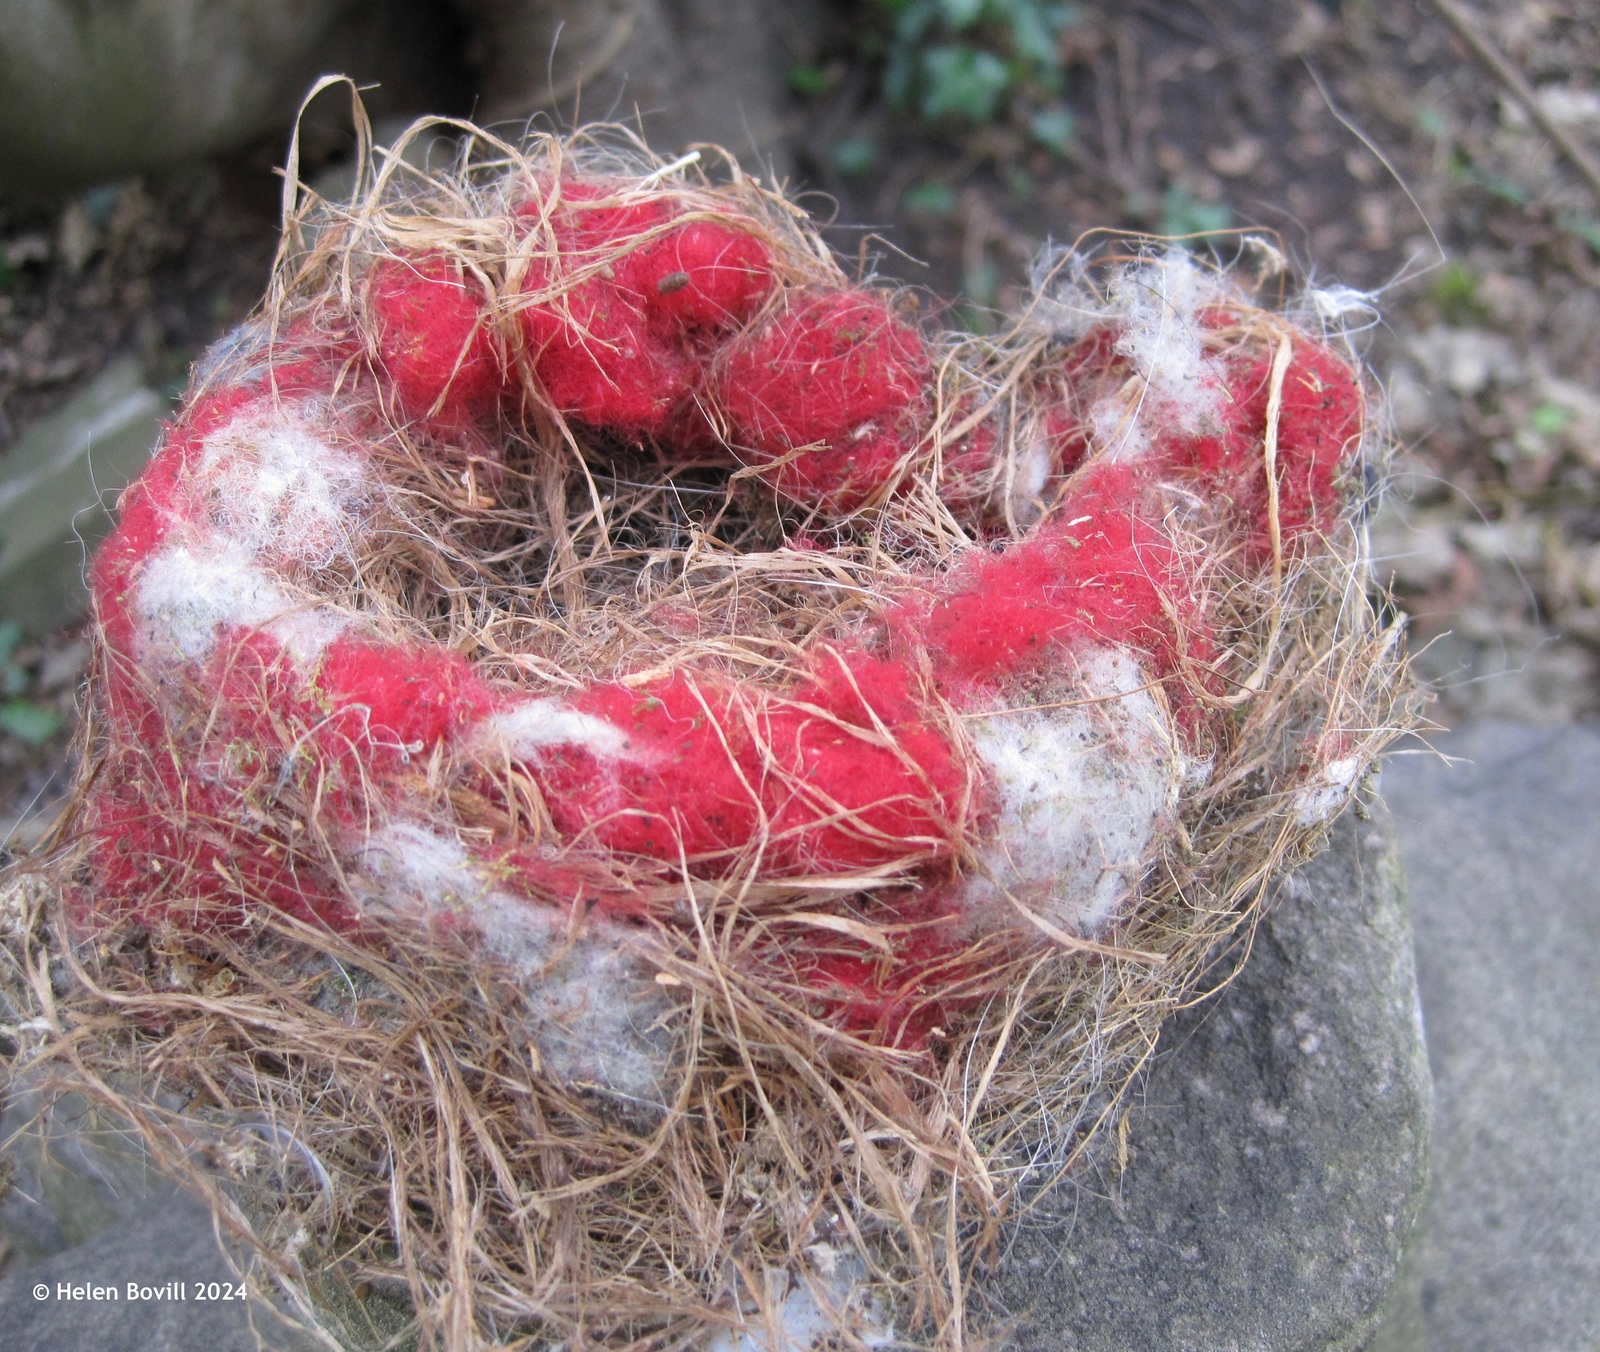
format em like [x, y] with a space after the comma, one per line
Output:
[1281, 1145]
[55, 486]
[1503, 854]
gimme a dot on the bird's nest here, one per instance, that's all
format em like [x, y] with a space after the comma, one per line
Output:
[394, 1102]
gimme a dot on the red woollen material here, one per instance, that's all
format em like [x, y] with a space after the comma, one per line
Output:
[175, 850]
[1094, 572]
[350, 731]
[626, 345]
[179, 842]
[169, 493]
[706, 762]
[838, 373]
[855, 739]
[1319, 431]
[433, 340]
[1090, 369]
[390, 703]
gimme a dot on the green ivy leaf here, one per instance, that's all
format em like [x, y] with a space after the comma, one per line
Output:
[931, 199]
[810, 80]
[856, 157]
[960, 14]
[1586, 228]
[1052, 128]
[1455, 292]
[1033, 38]
[917, 20]
[1183, 215]
[962, 82]
[1550, 419]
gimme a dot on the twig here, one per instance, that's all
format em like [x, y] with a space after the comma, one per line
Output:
[1520, 89]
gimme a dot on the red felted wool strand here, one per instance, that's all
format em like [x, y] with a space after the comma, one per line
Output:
[844, 772]
[1096, 571]
[1319, 430]
[1321, 417]
[835, 387]
[864, 777]
[701, 278]
[625, 346]
[433, 340]
[395, 703]
[683, 789]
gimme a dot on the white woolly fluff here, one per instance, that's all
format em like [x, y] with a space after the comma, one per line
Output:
[1114, 426]
[1321, 799]
[1083, 790]
[418, 873]
[1339, 305]
[1157, 304]
[186, 593]
[240, 356]
[525, 729]
[1033, 470]
[1154, 304]
[801, 1324]
[278, 487]
[601, 1021]
[597, 1016]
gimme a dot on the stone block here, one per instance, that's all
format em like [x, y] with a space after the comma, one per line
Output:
[56, 484]
[1502, 846]
[1280, 1145]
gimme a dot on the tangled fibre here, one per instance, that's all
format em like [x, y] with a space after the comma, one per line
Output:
[635, 795]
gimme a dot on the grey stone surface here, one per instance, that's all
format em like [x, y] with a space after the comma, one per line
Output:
[1281, 1145]
[171, 1243]
[1503, 853]
[103, 88]
[72, 1175]
[55, 484]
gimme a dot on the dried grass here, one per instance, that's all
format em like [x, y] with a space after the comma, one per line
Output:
[374, 1117]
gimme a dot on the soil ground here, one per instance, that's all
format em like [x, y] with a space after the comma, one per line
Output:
[1364, 139]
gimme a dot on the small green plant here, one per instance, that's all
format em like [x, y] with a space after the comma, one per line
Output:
[1466, 172]
[23, 719]
[1185, 216]
[1549, 419]
[1052, 128]
[1585, 228]
[809, 79]
[856, 157]
[929, 199]
[1455, 292]
[972, 59]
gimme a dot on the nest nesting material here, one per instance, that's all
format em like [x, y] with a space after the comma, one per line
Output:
[635, 794]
